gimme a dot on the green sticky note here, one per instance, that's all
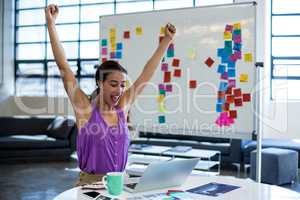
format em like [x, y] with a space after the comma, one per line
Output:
[170, 53]
[161, 119]
[162, 92]
[237, 32]
[104, 42]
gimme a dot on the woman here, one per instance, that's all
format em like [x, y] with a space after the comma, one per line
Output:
[103, 138]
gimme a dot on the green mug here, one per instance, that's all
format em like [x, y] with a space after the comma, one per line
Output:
[113, 182]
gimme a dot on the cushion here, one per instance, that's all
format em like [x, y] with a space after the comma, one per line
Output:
[60, 128]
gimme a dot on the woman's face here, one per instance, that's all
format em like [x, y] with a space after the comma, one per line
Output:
[113, 87]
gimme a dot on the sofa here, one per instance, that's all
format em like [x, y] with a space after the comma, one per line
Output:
[249, 145]
[230, 149]
[37, 138]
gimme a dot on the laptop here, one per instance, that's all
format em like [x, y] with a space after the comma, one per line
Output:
[161, 175]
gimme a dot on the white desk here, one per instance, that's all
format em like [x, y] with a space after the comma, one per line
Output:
[249, 190]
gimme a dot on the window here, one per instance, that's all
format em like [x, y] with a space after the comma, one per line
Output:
[78, 28]
[285, 49]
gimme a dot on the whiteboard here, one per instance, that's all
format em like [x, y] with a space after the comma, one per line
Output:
[200, 33]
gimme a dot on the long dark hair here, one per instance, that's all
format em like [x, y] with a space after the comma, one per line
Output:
[103, 71]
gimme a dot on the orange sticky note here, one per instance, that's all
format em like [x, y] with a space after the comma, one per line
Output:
[233, 114]
[237, 26]
[246, 97]
[126, 34]
[177, 72]
[175, 62]
[248, 57]
[237, 92]
[227, 35]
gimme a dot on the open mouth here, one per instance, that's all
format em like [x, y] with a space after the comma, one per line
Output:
[115, 99]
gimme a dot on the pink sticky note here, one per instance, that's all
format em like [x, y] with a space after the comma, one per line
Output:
[237, 38]
[231, 83]
[233, 57]
[164, 67]
[169, 88]
[161, 87]
[104, 51]
[238, 54]
[229, 27]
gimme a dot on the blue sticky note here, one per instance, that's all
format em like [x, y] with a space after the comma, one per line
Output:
[231, 72]
[221, 69]
[220, 52]
[223, 86]
[161, 119]
[119, 46]
[170, 53]
[224, 59]
[231, 64]
[219, 107]
[221, 101]
[104, 42]
[237, 46]
[228, 44]
[119, 54]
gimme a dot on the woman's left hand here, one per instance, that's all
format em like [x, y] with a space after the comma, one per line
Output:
[170, 31]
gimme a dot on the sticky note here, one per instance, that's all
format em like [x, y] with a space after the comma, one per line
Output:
[233, 58]
[162, 30]
[231, 83]
[161, 86]
[243, 78]
[139, 30]
[221, 69]
[161, 119]
[223, 86]
[238, 54]
[160, 98]
[237, 26]
[161, 107]
[191, 54]
[230, 99]
[224, 76]
[227, 35]
[237, 47]
[171, 47]
[226, 107]
[119, 54]
[228, 28]
[175, 62]
[169, 88]
[164, 67]
[209, 61]
[219, 107]
[162, 92]
[177, 73]
[237, 38]
[228, 45]
[104, 51]
[224, 59]
[220, 52]
[238, 102]
[193, 84]
[237, 92]
[230, 64]
[233, 114]
[167, 77]
[231, 72]
[112, 55]
[104, 60]
[229, 90]
[248, 57]
[119, 46]
[126, 34]
[237, 32]
[221, 94]
[221, 101]
[246, 97]
[104, 42]
[170, 53]
[112, 31]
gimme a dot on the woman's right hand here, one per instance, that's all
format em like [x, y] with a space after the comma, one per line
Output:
[51, 13]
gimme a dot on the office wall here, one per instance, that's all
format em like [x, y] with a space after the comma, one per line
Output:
[279, 119]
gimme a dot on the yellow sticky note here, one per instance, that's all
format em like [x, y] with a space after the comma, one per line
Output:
[112, 31]
[227, 35]
[237, 26]
[248, 57]
[160, 98]
[113, 47]
[191, 53]
[243, 78]
[162, 30]
[162, 108]
[138, 30]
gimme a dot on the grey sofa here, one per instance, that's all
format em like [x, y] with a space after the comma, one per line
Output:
[230, 149]
[36, 138]
[250, 145]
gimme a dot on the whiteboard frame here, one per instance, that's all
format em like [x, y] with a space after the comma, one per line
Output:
[202, 133]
